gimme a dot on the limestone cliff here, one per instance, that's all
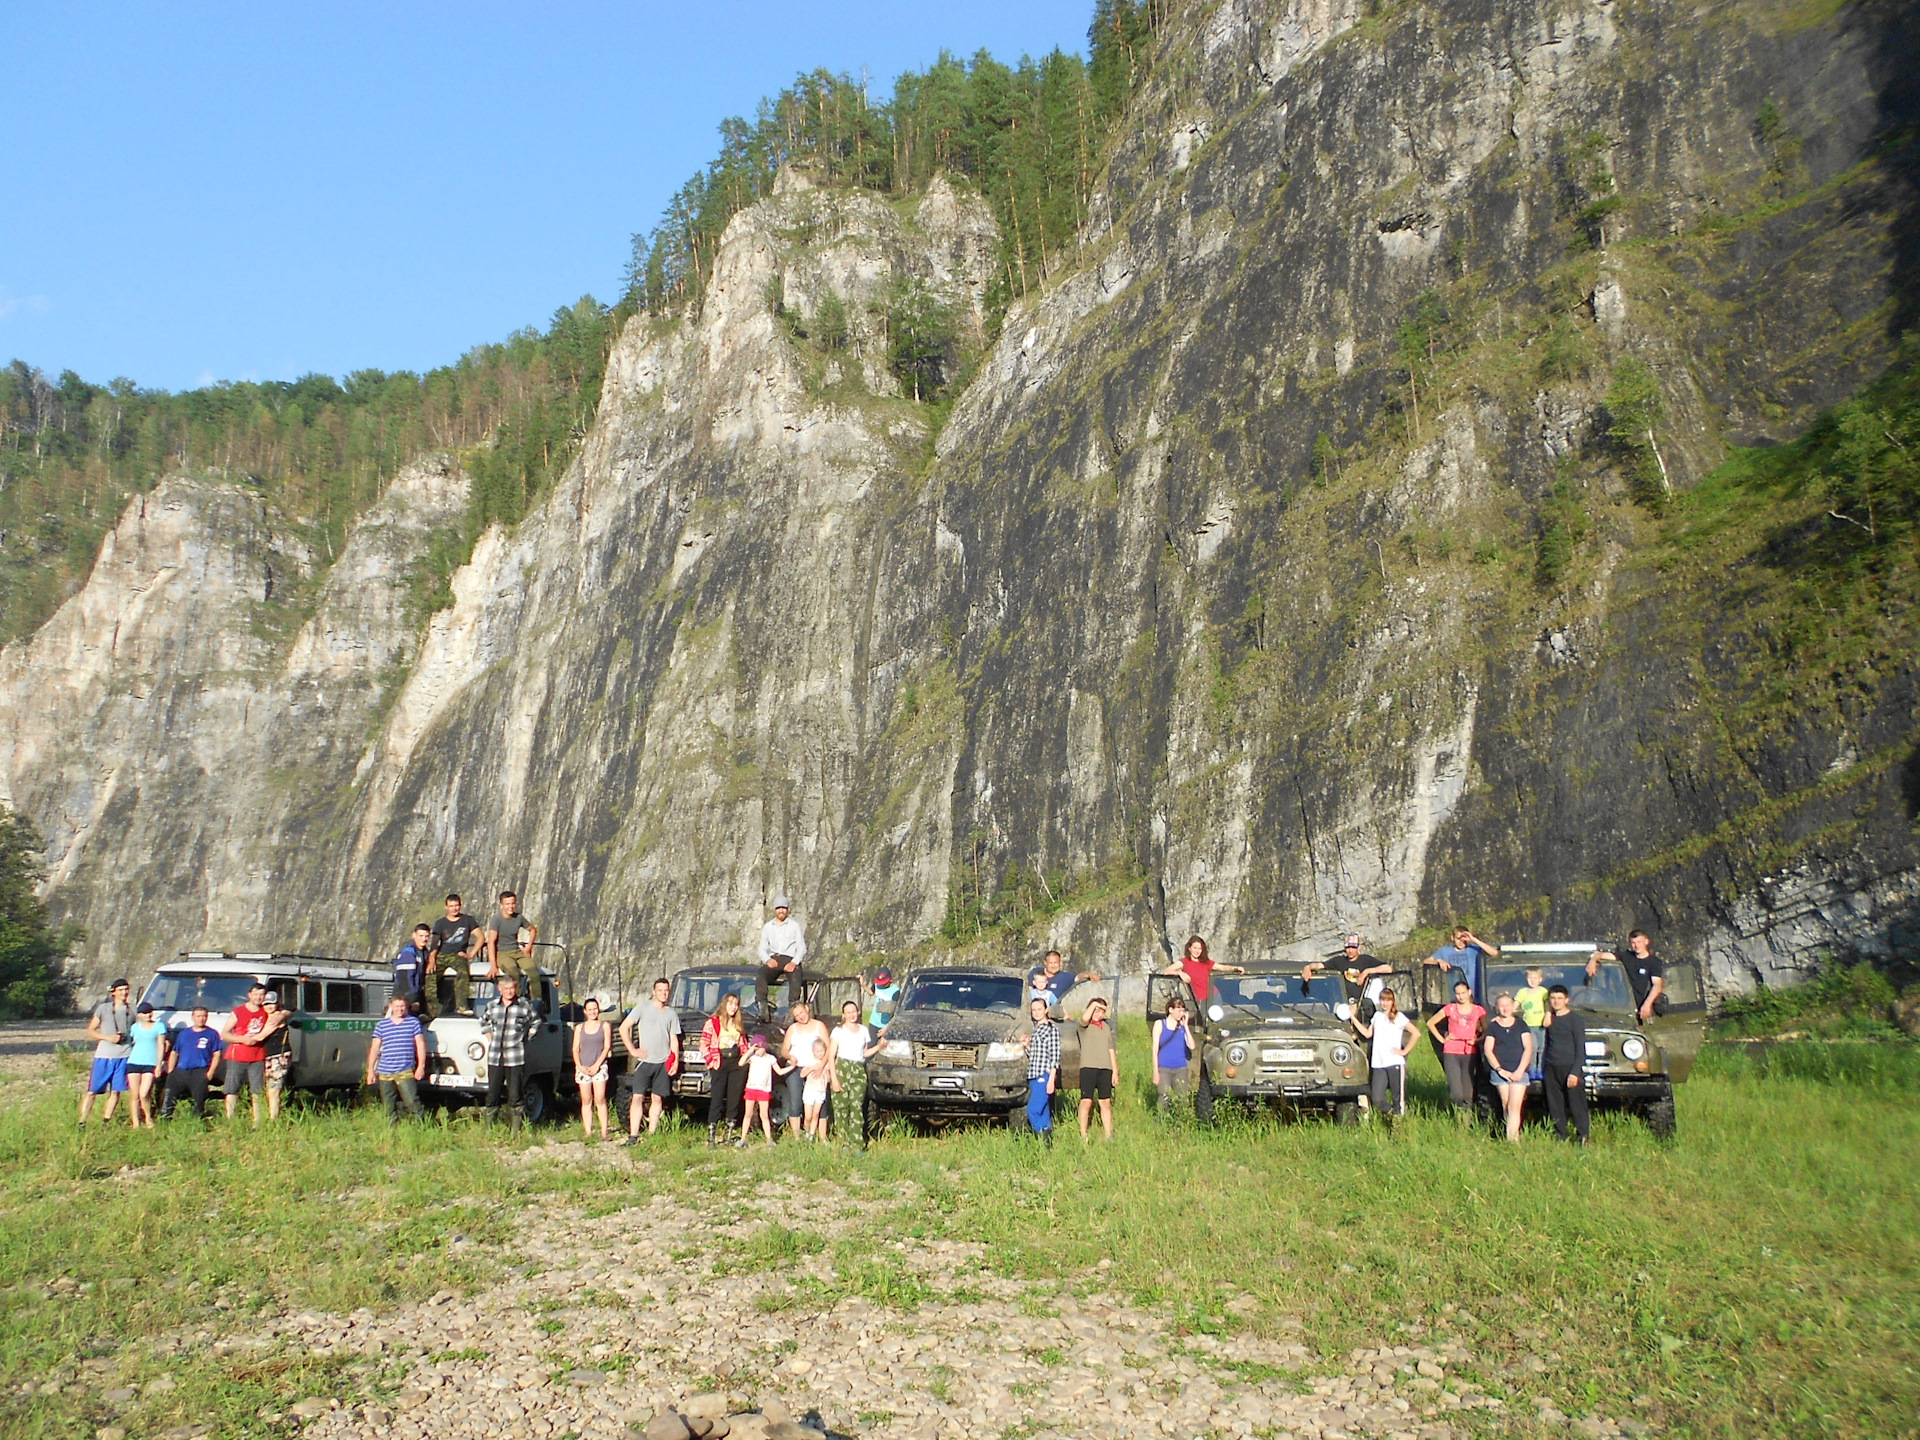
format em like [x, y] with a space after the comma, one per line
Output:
[1129, 625]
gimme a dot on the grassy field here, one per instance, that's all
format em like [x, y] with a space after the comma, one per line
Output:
[1756, 1277]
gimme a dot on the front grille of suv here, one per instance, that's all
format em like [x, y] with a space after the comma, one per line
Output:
[946, 1057]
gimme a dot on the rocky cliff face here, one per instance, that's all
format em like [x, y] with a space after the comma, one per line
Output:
[1196, 607]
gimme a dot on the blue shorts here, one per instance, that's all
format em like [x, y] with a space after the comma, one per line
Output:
[107, 1075]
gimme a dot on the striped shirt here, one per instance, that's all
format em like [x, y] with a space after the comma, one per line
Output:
[395, 1039]
[1043, 1051]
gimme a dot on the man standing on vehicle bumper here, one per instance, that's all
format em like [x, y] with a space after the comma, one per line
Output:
[783, 950]
[1566, 1083]
[651, 1033]
[504, 1029]
[1646, 970]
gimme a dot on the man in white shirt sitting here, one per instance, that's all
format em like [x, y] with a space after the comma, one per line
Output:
[783, 947]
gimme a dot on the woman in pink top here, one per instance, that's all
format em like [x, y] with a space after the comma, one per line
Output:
[1464, 1021]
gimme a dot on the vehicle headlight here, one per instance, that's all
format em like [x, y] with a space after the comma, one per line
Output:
[476, 1051]
[1004, 1050]
[1633, 1047]
[1236, 1054]
[1342, 1054]
[898, 1050]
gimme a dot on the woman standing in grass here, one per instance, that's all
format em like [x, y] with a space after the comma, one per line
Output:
[592, 1043]
[1393, 1036]
[1457, 1047]
[1509, 1052]
[147, 1059]
[1172, 1050]
[853, 1045]
[722, 1040]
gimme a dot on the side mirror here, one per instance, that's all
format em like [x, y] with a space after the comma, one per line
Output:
[1216, 1012]
[1343, 1010]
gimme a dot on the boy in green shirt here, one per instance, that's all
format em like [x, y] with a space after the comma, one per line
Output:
[1533, 1013]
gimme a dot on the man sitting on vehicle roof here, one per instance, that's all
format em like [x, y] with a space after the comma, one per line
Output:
[783, 950]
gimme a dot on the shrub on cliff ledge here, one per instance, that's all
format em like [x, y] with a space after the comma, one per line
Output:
[32, 952]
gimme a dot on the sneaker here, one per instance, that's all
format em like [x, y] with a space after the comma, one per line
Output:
[741, 1143]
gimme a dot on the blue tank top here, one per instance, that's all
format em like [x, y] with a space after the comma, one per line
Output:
[1173, 1047]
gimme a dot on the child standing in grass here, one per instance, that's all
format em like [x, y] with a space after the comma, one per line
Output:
[1099, 1067]
[761, 1068]
[1509, 1055]
[1043, 1069]
[1172, 1049]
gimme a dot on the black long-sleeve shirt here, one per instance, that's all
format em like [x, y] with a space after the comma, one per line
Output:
[1566, 1042]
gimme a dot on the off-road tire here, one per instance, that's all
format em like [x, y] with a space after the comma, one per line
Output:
[1346, 1113]
[1661, 1120]
[1017, 1122]
[535, 1102]
[1203, 1097]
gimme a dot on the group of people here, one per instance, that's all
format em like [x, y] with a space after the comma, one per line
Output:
[135, 1054]
[1531, 1035]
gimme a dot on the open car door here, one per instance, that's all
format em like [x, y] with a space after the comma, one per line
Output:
[1681, 1030]
[1161, 990]
[828, 994]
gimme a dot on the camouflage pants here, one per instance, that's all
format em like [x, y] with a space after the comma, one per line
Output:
[850, 1104]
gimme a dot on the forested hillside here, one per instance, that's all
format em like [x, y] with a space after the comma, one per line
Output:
[1028, 136]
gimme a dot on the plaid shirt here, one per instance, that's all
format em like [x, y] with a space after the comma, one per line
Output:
[1043, 1051]
[507, 1028]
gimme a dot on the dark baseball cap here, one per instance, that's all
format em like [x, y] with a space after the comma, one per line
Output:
[883, 976]
[120, 984]
[143, 1009]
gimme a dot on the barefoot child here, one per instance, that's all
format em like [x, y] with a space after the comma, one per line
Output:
[761, 1068]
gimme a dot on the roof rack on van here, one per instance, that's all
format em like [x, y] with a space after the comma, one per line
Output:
[267, 956]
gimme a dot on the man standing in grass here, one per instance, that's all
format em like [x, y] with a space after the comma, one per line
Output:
[509, 938]
[246, 1055]
[1043, 1069]
[397, 1061]
[110, 1027]
[192, 1064]
[1565, 1082]
[651, 1033]
[504, 1029]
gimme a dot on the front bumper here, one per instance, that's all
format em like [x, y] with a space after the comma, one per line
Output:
[933, 1090]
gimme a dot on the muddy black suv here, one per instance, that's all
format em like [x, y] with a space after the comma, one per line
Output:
[952, 1050]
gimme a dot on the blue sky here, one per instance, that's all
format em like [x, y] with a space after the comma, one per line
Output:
[253, 191]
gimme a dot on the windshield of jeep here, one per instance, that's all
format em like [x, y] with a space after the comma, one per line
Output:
[1275, 994]
[703, 992]
[1607, 990]
[963, 992]
[184, 992]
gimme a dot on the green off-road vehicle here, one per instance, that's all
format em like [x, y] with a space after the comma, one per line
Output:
[1278, 1036]
[1632, 1064]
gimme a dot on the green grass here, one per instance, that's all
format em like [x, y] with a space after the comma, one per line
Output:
[1758, 1277]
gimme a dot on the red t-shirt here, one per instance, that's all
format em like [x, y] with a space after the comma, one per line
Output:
[1463, 1028]
[1199, 976]
[245, 1017]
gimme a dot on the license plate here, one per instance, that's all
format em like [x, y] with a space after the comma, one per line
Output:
[448, 1079]
[1596, 1047]
[1285, 1057]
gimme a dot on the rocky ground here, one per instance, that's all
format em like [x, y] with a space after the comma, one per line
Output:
[681, 1317]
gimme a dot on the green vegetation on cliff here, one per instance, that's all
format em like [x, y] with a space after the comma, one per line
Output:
[1029, 137]
[71, 453]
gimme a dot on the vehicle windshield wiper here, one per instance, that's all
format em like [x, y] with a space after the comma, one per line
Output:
[1244, 1009]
